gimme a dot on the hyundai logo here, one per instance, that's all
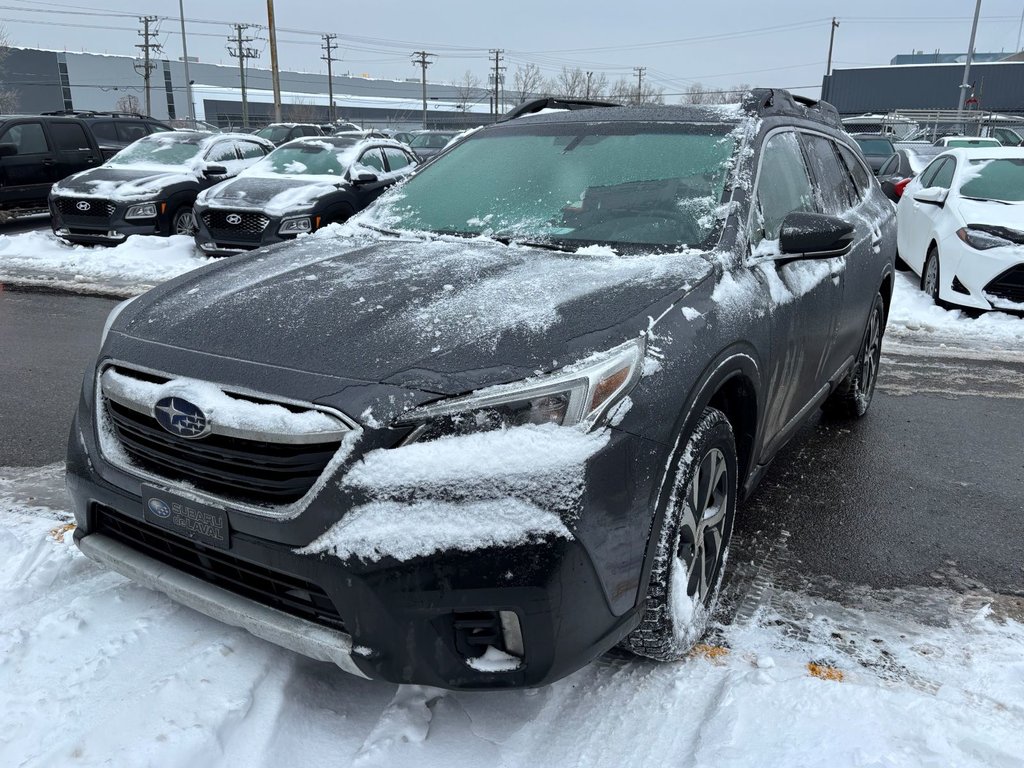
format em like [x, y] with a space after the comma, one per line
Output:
[83, 205]
[182, 418]
[159, 507]
[233, 218]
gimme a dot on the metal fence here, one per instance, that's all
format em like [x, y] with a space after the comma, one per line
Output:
[931, 124]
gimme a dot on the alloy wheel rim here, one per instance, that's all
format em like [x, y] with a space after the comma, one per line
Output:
[931, 277]
[702, 528]
[872, 354]
[186, 224]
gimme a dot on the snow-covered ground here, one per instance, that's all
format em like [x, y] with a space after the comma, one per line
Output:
[141, 262]
[97, 671]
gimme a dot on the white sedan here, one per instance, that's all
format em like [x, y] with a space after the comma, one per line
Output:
[961, 227]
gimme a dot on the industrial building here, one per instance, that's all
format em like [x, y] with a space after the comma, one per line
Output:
[47, 81]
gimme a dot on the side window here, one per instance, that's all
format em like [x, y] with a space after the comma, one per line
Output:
[27, 137]
[782, 186]
[250, 150]
[221, 153]
[69, 137]
[131, 132]
[397, 159]
[861, 178]
[834, 188]
[944, 176]
[929, 173]
[309, 130]
[156, 128]
[104, 131]
[891, 165]
[371, 159]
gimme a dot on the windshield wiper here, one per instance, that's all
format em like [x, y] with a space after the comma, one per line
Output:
[547, 245]
[986, 200]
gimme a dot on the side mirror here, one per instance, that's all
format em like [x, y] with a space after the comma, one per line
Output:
[932, 196]
[215, 170]
[814, 236]
[8, 150]
[364, 178]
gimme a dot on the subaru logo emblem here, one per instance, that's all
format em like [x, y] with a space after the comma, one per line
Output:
[83, 205]
[234, 218]
[159, 507]
[182, 418]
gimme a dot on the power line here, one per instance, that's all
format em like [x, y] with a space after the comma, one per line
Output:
[422, 58]
[329, 47]
[497, 77]
[639, 72]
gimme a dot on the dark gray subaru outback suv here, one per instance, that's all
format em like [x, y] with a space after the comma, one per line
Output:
[500, 422]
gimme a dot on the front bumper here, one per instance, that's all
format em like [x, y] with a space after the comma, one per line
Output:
[110, 228]
[967, 275]
[227, 239]
[400, 621]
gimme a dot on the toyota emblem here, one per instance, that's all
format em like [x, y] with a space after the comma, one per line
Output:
[83, 205]
[233, 218]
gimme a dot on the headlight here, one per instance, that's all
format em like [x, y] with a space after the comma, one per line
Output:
[578, 394]
[984, 237]
[144, 211]
[295, 226]
[117, 310]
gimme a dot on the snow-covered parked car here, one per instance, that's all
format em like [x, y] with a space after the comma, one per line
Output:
[961, 228]
[298, 188]
[149, 187]
[500, 421]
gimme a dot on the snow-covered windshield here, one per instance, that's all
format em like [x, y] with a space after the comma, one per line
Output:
[1001, 179]
[618, 184]
[171, 149]
[313, 159]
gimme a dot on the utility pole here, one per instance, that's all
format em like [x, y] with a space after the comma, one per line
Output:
[639, 83]
[147, 46]
[184, 58]
[422, 58]
[496, 53]
[329, 47]
[242, 52]
[275, 72]
[965, 86]
[831, 42]
[589, 76]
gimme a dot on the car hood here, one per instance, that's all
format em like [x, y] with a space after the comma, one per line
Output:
[273, 193]
[122, 183]
[993, 213]
[445, 315]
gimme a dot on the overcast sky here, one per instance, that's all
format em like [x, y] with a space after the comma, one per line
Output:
[760, 42]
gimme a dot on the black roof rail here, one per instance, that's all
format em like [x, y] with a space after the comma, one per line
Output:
[769, 101]
[92, 113]
[553, 102]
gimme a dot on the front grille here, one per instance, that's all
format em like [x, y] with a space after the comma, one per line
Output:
[252, 471]
[284, 592]
[1009, 285]
[97, 208]
[248, 228]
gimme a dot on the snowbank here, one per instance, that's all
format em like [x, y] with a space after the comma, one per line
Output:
[134, 266]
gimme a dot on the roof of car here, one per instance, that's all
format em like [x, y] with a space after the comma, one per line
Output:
[985, 153]
[343, 142]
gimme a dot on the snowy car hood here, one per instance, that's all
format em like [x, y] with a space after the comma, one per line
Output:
[273, 193]
[996, 214]
[445, 316]
[115, 183]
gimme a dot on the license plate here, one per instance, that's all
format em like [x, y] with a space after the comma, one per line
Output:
[199, 522]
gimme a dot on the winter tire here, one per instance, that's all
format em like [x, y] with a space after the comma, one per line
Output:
[852, 397]
[930, 274]
[184, 221]
[692, 544]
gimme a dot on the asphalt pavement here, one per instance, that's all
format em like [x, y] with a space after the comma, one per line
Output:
[927, 490]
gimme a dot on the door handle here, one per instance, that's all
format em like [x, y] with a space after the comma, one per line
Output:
[49, 162]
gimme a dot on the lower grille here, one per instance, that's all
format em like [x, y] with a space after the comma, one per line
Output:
[90, 208]
[1009, 285]
[237, 226]
[290, 594]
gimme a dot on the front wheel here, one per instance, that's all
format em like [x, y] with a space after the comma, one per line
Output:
[692, 544]
[852, 397]
[930, 274]
[184, 221]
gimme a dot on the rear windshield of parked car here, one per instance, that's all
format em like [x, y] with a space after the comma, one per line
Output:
[621, 184]
[875, 146]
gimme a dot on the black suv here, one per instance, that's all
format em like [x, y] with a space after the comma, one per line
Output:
[499, 422]
[38, 150]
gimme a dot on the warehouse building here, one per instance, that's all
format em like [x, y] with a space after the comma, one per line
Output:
[47, 81]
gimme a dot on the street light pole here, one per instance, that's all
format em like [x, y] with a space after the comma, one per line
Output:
[967, 65]
[275, 73]
[831, 42]
[184, 54]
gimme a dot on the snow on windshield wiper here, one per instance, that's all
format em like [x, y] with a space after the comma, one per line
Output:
[986, 199]
[545, 244]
